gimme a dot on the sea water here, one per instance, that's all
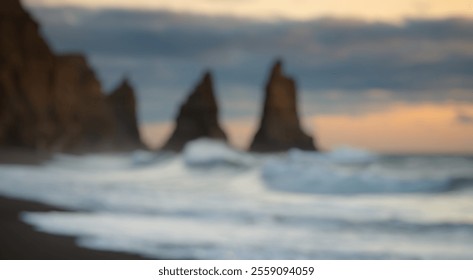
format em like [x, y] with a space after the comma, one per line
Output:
[212, 202]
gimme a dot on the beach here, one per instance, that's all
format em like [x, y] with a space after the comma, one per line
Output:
[19, 241]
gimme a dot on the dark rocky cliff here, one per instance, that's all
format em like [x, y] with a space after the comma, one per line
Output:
[48, 102]
[280, 127]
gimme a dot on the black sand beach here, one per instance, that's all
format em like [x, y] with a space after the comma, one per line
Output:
[22, 156]
[19, 241]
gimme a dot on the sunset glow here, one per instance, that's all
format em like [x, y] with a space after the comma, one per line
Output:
[424, 128]
[391, 10]
[403, 128]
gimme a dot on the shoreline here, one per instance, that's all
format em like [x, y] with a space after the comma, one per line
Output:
[23, 156]
[20, 241]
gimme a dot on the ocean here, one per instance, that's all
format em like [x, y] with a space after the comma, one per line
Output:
[212, 202]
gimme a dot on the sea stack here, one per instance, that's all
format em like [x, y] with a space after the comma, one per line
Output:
[48, 102]
[197, 118]
[123, 103]
[280, 128]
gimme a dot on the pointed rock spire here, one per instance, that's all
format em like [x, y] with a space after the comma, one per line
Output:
[198, 117]
[123, 103]
[280, 126]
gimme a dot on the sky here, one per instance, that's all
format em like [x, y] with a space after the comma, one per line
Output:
[390, 76]
[392, 10]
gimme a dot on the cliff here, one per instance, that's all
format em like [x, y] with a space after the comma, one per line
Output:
[280, 128]
[48, 102]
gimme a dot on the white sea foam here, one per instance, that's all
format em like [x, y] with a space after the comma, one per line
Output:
[348, 171]
[290, 205]
[347, 155]
[207, 152]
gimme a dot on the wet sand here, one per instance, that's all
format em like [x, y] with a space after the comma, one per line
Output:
[19, 241]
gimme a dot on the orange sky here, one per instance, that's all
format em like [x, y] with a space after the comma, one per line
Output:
[391, 10]
[424, 128]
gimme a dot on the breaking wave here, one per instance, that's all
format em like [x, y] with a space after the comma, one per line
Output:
[214, 202]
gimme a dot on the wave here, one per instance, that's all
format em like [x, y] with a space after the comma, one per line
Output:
[213, 202]
[350, 171]
[191, 238]
[391, 225]
[214, 153]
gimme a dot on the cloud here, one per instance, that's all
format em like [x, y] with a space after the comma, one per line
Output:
[326, 53]
[165, 52]
[464, 118]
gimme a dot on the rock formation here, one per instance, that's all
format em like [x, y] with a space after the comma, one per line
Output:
[25, 70]
[280, 128]
[197, 118]
[123, 104]
[48, 102]
[83, 119]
